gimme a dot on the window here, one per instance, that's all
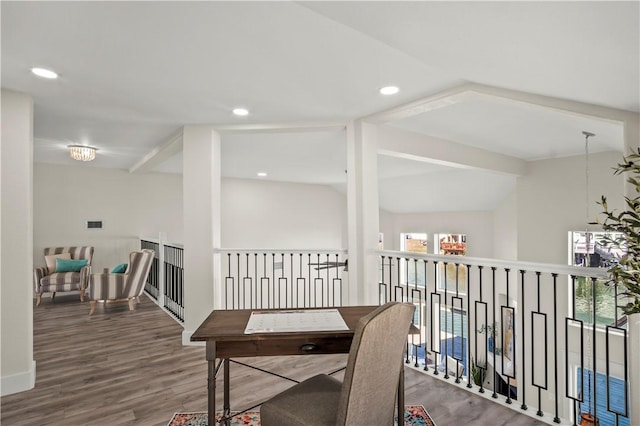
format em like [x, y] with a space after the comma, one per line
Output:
[588, 249]
[456, 280]
[412, 271]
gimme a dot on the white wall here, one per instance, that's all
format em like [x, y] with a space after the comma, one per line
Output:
[256, 214]
[264, 214]
[16, 261]
[552, 200]
[477, 226]
[130, 206]
[505, 228]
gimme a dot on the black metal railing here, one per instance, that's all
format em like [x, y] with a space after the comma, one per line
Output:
[510, 328]
[282, 278]
[174, 280]
[152, 286]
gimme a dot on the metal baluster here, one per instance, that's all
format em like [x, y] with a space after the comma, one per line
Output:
[508, 400]
[486, 333]
[522, 389]
[556, 419]
[495, 342]
[426, 292]
[469, 385]
[593, 348]
[446, 346]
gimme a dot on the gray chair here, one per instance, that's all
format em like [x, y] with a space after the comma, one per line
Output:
[47, 280]
[367, 395]
[126, 286]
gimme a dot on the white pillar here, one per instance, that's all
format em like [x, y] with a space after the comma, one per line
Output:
[631, 144]
[201, 204]
[362, 212]
[16, 242]
[162, 238]
[633, 327]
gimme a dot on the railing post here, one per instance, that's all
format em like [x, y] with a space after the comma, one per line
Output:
[162, 238]
[633, 326]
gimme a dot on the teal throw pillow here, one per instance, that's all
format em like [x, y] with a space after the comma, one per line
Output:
[70, 265]
[119, 269]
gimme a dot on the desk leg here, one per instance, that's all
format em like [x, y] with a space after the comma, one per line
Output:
[211, 383]
[401, 397]
[227, 405]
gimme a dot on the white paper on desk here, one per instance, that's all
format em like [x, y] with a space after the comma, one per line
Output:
[295, 320]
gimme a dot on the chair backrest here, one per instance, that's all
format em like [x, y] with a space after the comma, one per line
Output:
[76, 252]
[137, 271]
[373, 367]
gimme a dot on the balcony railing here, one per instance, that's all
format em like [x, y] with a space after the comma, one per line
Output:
[508, 329]
[165, 284]
[282, 278]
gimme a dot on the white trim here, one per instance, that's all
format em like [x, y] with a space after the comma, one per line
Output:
[279, 251]
[326, 126]
[186, 339]
[20, 382]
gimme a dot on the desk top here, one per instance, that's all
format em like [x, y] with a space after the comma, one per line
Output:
[229, 325]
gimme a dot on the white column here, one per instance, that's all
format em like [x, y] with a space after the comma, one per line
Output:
[201, 203]
[362, 212]
[633, 327]
[16, 236]
[162, 238]
[631, 144]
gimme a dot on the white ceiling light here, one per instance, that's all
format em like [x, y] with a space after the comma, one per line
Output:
[389, 90]
[82, 152]
[44, 73]
[262, 174]
[241, 111]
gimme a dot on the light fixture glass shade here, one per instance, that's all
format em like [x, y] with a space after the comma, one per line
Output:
[82, 152]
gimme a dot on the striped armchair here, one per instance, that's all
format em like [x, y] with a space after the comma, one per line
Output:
[46, 279]
[127, 286]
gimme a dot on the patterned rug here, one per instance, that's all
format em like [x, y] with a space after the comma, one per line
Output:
[414, 415]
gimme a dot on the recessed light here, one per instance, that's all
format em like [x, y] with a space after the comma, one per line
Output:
[241, 111]
[389, 90]
[262, 174]
[44, 73]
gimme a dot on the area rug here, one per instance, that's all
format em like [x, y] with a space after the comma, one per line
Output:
[414, 415]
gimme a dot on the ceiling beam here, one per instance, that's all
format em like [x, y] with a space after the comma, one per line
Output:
[414, 146]
[472, 91]
[159, 155]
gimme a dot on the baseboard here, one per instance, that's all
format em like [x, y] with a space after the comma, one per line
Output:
[186, 339]
[20, 382]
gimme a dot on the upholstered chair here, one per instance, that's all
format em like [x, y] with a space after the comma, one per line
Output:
[367, 395]
[125, 286]
[70, 274]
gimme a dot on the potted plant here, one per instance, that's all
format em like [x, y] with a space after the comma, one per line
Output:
[625, 270]
[477, 374]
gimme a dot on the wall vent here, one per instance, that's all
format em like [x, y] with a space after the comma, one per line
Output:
[94, 224]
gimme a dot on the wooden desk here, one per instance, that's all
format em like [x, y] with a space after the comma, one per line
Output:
[223, 332]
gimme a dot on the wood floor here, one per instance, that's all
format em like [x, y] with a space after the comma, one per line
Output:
[122, 367]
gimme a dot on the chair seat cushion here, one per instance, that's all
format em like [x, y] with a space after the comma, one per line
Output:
[61, 278]
[313, 402]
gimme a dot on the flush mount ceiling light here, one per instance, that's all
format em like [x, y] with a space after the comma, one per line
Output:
[44, 73]
[389, 90]
[241, 111]
[262, 174]
[82, 152]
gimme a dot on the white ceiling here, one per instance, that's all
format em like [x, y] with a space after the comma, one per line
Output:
[133, 73]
